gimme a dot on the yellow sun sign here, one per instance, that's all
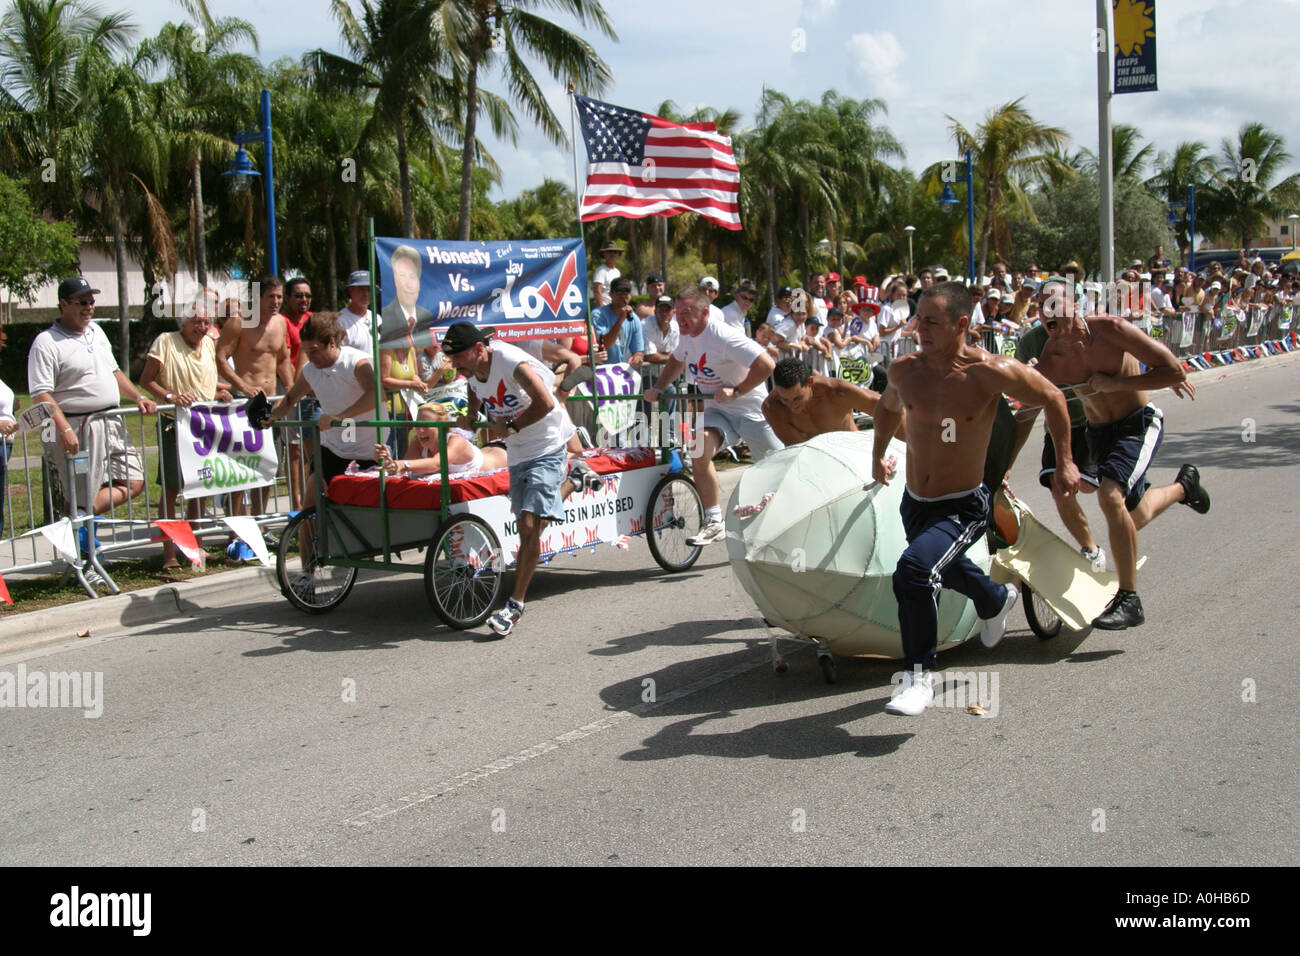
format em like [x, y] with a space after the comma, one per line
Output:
[1134, 25]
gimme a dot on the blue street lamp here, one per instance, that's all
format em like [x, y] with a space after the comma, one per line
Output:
[948, 201]
[242, 172]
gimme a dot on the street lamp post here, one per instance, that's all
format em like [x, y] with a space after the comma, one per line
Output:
[949, 199]
[909, 230]
[242, 172]
[1294, 217]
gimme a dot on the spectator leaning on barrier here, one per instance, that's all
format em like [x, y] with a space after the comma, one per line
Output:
[181, 369]
[661, 336]
[71, 367]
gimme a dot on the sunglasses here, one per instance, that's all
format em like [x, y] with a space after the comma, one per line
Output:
[83, 302]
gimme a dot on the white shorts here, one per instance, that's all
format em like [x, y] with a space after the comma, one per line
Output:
[742, 424]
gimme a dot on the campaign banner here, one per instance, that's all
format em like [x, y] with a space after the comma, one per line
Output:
[220, 452]
[1257, 315]
[856, 370]
[1135, 45]
[1284, 320]
[524, 289]
[1231, 319]
[617, 379]
[1188, 330]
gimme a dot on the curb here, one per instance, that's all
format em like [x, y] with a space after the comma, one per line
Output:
[132, 609]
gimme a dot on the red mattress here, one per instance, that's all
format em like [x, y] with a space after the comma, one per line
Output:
[422, 495]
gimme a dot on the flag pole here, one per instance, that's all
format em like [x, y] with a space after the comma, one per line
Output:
[592, 344]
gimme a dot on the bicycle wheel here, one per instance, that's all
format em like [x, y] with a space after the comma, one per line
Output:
[1043, 621]
[463, 570]
[310, 584]
[674, 514]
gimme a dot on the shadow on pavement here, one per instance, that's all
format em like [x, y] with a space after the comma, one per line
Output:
[1274, 445]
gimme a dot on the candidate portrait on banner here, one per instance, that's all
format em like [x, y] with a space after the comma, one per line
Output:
[402, 314]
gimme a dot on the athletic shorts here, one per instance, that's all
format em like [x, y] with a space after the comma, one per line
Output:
[535, 485]
[737, 425]
[1124, 450]
[110, 460]
[334, 465]
[1079, 449]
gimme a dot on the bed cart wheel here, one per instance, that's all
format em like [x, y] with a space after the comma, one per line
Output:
[674, 514]
[1042, 619]
[827, 663]
[462, 571]
[310, 586]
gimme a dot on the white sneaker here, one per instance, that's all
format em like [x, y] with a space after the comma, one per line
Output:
[914, 694]
[1098, 558]
[710, 533]
[994, 627]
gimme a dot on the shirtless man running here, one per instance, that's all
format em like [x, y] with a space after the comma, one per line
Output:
[803, 404]
[261, 355]
[951, 392]
[1124, 430]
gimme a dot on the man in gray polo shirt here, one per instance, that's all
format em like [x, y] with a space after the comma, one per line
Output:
[71, 368]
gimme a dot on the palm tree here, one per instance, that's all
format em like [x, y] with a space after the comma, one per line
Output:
[120, 168]
[1008, 145]
[482, 34]
[1188, 165]
[1244, 198]
[202, 73]
[401, 58]
[41, 42]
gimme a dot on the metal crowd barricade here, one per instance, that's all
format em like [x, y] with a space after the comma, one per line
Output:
[125, 526]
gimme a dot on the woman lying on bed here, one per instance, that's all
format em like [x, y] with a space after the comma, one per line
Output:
[463, 456]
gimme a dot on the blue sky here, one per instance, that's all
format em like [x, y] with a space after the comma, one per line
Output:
[1221, 63]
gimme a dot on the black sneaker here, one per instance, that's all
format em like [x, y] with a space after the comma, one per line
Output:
[1194, 496]
[1124, 610]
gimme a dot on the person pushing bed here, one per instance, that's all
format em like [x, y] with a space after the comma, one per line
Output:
[515, 389]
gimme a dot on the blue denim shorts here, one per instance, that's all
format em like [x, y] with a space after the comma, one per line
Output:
[535, 485]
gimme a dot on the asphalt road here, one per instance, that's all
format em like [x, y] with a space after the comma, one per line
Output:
[231, 740]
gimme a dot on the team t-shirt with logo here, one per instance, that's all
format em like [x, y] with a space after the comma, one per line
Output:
[503, 397]
[718, 356]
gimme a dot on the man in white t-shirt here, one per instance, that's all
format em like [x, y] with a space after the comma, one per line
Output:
[781, 305]
[730, 370]
[356, 320]
[661, 337]
[71, 367]
[790, 329]
[736, 312]
[605, 275]
[515, 390]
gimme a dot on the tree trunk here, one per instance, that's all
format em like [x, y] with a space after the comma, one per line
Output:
[661, 227]
[803, 237]
[331, 255]
[404, 176]
[200, 240]
[467, 155]
[353, 227]
[123, 298]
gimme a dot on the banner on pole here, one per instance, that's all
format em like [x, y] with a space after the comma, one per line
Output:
[1135, 45]
[220, 452]
[524, 288]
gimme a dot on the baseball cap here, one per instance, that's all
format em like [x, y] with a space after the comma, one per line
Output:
[654, 277]
[463, 335]
[360, 277]
[832, 277]
[747, 286]
[812, 318]
[663, 300]
[73, 286]
[710, 283]
[994, 295]
[784, 292]
[620, 285]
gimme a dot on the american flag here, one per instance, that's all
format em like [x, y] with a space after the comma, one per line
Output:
[640, 165]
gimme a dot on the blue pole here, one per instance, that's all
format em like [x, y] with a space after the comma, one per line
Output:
[970, 212]
[1191, 226]
[270, 182]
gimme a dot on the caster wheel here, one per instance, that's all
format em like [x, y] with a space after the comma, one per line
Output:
[827, 664]
[780, 667]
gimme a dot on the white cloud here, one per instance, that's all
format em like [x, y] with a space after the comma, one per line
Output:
[816, 9]
[877, 56]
